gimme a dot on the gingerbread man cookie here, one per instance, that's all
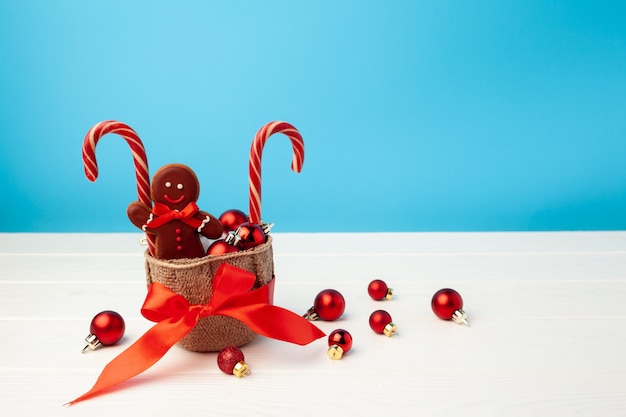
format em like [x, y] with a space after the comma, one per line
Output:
[175, 219]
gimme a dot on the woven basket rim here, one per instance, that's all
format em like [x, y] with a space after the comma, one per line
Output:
[191, 262]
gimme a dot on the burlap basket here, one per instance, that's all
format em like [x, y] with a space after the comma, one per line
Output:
[193, 279]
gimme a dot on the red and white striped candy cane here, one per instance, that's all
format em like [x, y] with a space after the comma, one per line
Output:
[139, 158]
[256, 152]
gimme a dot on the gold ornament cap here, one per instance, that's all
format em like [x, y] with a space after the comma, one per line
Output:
[92, 342]
[390, 329]
[266, 227]
[460, 317]
[335, 352]
[389, 294]
[241, 369]
[311, 314]
[232, 238]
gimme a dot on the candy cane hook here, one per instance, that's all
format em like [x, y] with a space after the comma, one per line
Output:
[136, 147]
[256, 152]
[138, 151]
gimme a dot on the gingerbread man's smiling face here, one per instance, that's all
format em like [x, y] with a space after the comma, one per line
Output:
[175, 185]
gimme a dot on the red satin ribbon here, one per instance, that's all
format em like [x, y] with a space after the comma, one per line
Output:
[175, 317]
[167, 215]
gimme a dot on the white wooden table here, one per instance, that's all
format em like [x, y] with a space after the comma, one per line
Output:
[547, 335]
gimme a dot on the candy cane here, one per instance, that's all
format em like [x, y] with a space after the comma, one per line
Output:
[139, 158]
[255, 160]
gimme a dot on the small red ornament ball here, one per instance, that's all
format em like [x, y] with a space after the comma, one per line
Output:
[220, 247]
[329, 304]
[381, 322]
[379, 290]
[231, 361]
[108, 326]
[339, 343]
[445, 302]
[250, 235]
[231, 219]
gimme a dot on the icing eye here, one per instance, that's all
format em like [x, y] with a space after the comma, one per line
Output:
[179, 186]
[168, 184]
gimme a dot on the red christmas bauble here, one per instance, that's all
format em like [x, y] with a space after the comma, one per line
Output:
[231, 219]
[250, 235]
[231, 361]
[445, 302]
[381, 322]
[378, 290]
[220, 247]
[108, 326]
[329, 304]
[339, 343]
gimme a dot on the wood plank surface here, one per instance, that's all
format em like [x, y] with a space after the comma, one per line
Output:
[546, 338]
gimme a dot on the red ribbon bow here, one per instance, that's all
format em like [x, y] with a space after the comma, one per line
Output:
[175, 317]
[166, 215]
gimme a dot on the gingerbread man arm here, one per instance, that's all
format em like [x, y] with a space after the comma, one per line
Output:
[212, 228]
[138, 213]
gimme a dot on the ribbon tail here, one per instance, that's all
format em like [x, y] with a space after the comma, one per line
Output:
[139, 356]
[276, 323]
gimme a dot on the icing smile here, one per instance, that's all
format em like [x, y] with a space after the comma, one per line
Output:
[173, 201]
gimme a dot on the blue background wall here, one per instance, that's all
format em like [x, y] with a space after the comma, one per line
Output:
[416, 115]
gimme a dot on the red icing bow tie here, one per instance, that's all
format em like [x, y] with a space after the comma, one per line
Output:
[166, 214]
[175, 317]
